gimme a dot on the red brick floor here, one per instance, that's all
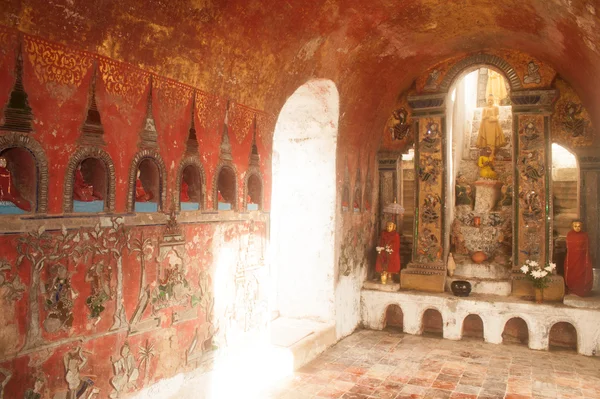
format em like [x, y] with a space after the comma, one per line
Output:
[391, 365]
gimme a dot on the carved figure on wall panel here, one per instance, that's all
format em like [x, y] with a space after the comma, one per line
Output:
[126, 372]
[173, 287]
[530, 136]
[532, 167]
[432, 79]
[463, 191]
[400, 129]
[59, 300]
[143, 248]
[533, 74]
[430, 208]
[532, 207]
[429, 246]
[430, 169]
[573, 122]
[432, 138]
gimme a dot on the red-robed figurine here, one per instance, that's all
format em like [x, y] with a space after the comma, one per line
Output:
[184, 196]
[389, 240]
[8, 190]
[578, 266]
[83, 191]
[140, 193]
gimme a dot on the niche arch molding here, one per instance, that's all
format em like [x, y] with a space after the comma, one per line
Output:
[21, 140]
[479, 60]
[253, 171]
[191, 160]
[79, 156]
[155, 157]
[215, 187]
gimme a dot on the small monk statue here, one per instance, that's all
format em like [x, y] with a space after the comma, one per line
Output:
[578, 266]
[8, 190]
[221, 198]
[486, 165]
[141, 195]
[249, 199]
[83, 191]
[388, 258]
[490, 132]
[184, 196]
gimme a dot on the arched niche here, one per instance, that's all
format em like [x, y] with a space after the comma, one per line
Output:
[516, 332]
[394, 317]
[253, 192]
[563, 336]
[97, 170]
[565, 199]
[472, 327]
[28, 168]
[433, 323]
[304, 203]
[152, 180]
[225, 188]
[357, 198]
[346, 197]
[191, 175]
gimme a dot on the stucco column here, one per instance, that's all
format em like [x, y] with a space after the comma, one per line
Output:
[532, 157]
[493, 327]
[427, 270]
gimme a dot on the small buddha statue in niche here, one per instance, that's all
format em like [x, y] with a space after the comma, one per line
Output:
[490, 132]
[578, 265]
[388, 261]
[83, 191]
[249, 199]
[141, 195]
[184, 196]
[8, 189]
[221, 198]
[486, 165]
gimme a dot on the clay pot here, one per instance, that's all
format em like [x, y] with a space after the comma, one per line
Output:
[460, 288]
[478, 257]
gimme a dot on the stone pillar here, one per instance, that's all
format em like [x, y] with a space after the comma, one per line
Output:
[532, 232]
[427, 270]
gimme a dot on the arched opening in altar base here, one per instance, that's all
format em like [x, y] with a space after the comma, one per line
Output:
[516, 329]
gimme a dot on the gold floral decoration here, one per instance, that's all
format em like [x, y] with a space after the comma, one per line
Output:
[209, 110]
[265, 126]
[123, 81]
[241, 119]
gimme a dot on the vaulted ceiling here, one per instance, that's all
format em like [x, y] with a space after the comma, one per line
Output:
[258, 52]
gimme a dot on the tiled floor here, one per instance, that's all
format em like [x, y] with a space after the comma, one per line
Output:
[387, 364]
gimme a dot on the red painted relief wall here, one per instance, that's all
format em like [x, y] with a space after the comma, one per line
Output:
[125, 300]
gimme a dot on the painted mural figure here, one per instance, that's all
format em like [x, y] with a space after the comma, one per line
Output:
[126, 372]
[83, 191]
[59, 301]
[578, 266]
[573, 122]
[401, 129]
[98, 275]
[389, 237]
[79, 387]
[141, 195]
[490, 132]
[36, 391]
[8, 189]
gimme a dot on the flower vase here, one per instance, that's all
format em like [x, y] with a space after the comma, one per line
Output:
[384, 277]
[539, 295]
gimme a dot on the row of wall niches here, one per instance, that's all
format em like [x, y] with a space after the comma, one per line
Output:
[90, 184]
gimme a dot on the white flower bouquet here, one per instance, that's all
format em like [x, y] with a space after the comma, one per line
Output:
[538, 274]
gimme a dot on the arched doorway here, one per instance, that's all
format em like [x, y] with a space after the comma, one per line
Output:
[304, 202]
[565, 199]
